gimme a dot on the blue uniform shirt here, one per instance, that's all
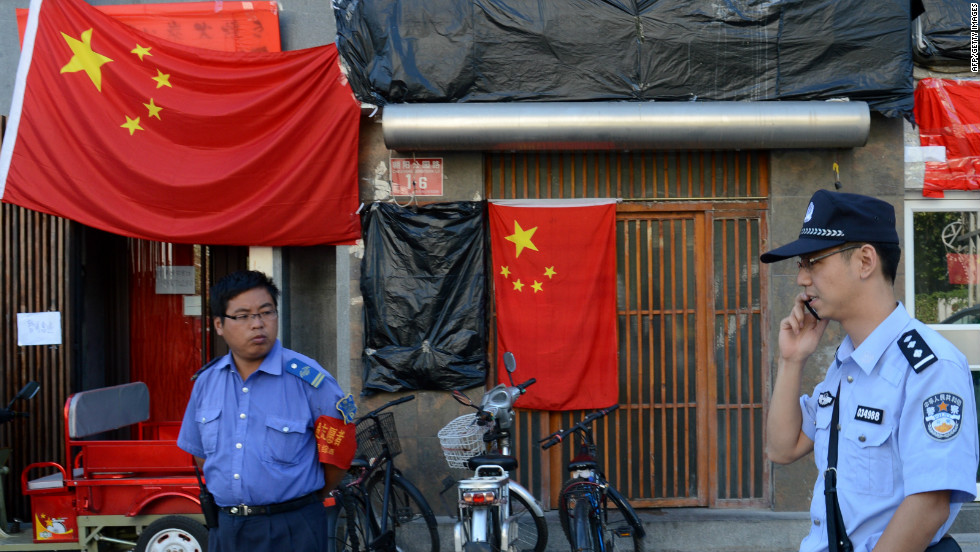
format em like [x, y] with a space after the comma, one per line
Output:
[257, 436]
[901, 432]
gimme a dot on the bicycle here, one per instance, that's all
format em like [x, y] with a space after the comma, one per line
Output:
[496, 514]
[594, 515]
[381, 510]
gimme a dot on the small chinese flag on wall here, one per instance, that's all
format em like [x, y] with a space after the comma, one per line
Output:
[554, 275]
[143, 137]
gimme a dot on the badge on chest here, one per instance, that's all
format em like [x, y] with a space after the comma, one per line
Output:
[868, 414]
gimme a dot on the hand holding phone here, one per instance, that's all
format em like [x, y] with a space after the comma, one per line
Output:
[809, 308]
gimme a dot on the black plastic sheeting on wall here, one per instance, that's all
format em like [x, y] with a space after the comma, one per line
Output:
[425, 307]
[587, 50]
[942, 33]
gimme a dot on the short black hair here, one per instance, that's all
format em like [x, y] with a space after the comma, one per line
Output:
[889, 254]
[236, 283]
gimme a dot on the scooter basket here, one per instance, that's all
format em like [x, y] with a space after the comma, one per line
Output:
[372, 437]
[461, 440]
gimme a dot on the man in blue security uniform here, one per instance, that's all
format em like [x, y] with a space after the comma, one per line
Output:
[907, 431]
[251, 424]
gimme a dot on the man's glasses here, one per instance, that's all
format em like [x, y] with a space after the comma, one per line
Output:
[807, 264]
[265, 316]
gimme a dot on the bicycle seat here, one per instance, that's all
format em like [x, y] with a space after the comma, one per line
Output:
[508, 463]
[582, 462]
[360, 462]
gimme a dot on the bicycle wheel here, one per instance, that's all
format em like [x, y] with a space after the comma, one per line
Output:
[578, 513]
[409, 515]
[622, 529]
[350, 532]
[532, 531]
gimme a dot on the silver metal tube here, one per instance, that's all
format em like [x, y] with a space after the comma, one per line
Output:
[625, 125]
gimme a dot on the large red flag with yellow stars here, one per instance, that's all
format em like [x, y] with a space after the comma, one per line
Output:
[142, 137]
[554, 280]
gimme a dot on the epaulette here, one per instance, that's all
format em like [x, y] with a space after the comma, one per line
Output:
[205, 367]
[312, 375]
[919, 355]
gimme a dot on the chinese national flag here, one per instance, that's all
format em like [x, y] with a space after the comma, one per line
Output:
[142, 137]
[554, 275]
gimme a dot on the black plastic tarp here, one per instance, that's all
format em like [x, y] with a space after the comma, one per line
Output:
[942, 32]
[587, 50]
[424, 286]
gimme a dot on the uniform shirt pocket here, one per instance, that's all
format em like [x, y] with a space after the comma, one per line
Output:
[284, 439]
[866, 459]
[207, 423]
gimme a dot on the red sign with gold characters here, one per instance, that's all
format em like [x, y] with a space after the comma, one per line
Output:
[416, 176]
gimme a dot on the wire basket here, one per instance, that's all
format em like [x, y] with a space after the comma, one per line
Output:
[372, 436]
[461, 440]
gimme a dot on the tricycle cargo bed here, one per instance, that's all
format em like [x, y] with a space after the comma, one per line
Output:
[110, 490]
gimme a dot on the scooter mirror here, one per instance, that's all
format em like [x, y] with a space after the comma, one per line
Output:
[28, 391]
[510, 362]
[461, 398]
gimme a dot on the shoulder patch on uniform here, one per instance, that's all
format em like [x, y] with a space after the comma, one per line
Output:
[210, 363]
[942, 415]
[919, 355]
[825, 399]
[310, 374]
[347, 408]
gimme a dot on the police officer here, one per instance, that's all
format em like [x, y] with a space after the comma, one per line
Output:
[907, 430]
[252, 425]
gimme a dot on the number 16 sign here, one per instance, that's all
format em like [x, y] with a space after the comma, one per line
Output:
[421, 176]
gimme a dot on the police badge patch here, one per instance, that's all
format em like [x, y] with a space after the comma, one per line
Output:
[347, 408]
[825, 399]
[942, 415]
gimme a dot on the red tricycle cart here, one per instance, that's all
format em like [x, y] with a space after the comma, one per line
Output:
[139, 494]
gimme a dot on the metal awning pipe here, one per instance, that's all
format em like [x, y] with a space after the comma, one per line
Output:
[625, 125]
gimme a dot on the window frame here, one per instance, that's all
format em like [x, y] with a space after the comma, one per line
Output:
[954, 332]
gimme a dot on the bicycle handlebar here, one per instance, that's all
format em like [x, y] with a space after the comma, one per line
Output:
[526, 384]
[386, 405]
[7, 415]
[559, 435]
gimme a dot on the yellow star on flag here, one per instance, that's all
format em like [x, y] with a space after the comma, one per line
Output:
[132, 124]
[549, 271]
[141, 51]
[504, 271]
[522, 238]
[85, 59]
[536, 286]
[153, 108]
[162, 79]
[518, 285]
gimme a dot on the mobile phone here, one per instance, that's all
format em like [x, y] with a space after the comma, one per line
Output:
[809, 308]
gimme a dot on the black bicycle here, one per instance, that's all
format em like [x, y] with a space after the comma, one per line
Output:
[381, 510]
[594, 515]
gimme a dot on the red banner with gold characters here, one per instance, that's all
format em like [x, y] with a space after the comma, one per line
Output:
[336, 441]
[143, 137]
[554, 278]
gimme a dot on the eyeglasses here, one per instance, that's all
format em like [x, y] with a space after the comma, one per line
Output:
[265, 316]
[807, 264]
